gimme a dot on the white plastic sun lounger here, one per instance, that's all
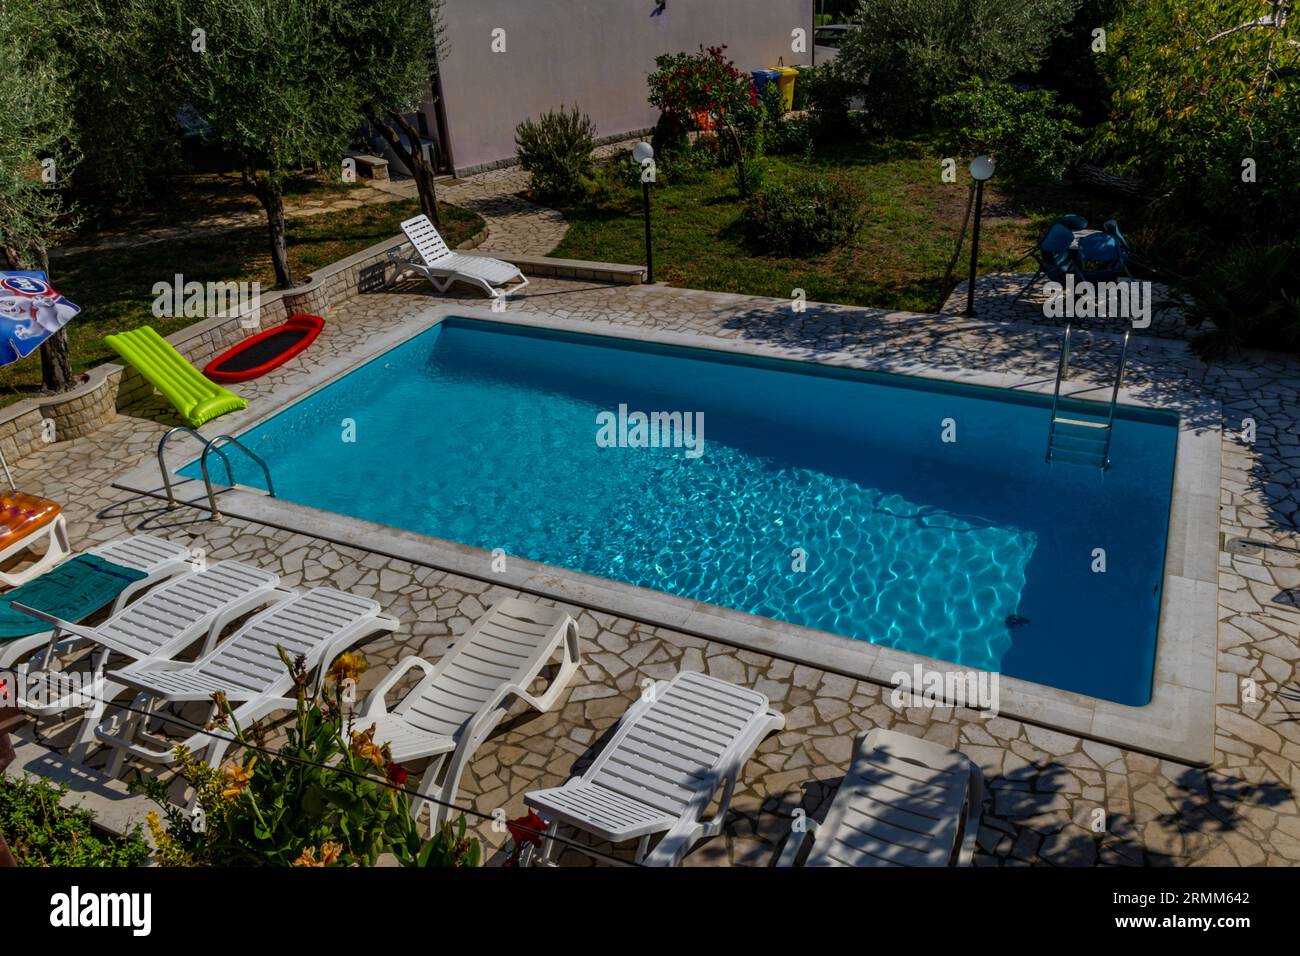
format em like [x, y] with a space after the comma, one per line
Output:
[55, 536]
[159, 626]
[462, 699]
[672, 750]
[317, 625]
[903, 803]
[158, 558]
[442, 267]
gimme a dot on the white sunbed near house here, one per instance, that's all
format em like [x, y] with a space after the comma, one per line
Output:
[904, 802]
[442, 266]
[674, 748]
[317, 625]
[462, 699]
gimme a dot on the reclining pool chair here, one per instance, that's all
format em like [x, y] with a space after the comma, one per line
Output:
[83, 584]
[442, 267]
[318, 625]
[161, 625]
[26, 520]
[672, 751]
[462, 699]
[904, 802]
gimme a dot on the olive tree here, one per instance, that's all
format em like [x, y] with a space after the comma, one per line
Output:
[273, 81]
[37, 151]
[394, 47]
[125, 95]
[906, 53]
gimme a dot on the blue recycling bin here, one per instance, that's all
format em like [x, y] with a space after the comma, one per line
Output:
[762, 78]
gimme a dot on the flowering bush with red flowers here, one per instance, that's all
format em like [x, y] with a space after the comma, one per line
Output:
[685, 86]
[699, 89]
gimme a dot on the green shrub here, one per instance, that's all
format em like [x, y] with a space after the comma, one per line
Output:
[792, 136]
[1186, 113]
[41, 833]
[1029, 133]
[1249, 294]
[905, 53]
[556, 151]
[827, 92]
[686, 164]
[809, 214]
[751, 176]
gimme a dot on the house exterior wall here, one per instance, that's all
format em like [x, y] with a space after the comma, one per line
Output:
[595, 53]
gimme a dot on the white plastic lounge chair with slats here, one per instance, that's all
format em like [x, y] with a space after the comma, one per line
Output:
[317, 625]
[462, 699]
[442, 267]
[904, 802]
[157, 558]
[159, 626]
[26, 521]
[671, 752]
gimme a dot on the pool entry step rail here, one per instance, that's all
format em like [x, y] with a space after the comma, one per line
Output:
[1079, 438]
[209, 446]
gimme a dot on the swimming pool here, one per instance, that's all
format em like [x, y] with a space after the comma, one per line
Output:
[823, 497]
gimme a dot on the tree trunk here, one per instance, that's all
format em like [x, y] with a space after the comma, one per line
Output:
[422, 170]
[272, 199]
[56, 367]
[270, 194]
[1095, 176]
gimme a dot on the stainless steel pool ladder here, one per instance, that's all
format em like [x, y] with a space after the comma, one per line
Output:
[209, 446]
[1078, 437]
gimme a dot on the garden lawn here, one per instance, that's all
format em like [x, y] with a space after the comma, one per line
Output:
[115, 287]
[896, 261]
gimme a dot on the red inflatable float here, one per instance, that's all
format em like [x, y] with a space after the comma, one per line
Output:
[265, 351]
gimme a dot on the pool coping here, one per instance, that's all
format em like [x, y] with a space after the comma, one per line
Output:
[1177, 724]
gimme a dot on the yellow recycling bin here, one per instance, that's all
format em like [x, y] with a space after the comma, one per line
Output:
[785, 83]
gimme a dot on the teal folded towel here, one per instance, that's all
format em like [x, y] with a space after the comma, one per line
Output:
[73, 590]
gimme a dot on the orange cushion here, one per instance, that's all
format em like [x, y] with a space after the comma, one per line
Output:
[22, 514]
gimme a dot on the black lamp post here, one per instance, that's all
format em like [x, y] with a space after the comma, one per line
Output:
[644, 154]
[981, 170]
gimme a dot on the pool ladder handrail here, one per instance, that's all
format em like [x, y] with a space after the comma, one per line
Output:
[1114, 397]
[215, 445]
[209, 446]
[1063, 371]
[162, 464]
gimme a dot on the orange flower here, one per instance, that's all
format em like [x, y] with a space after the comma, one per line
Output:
[347, 666]
[363, 746]
[329, 855]
[237, 779]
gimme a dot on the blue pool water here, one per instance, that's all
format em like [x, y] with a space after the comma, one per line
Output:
[974, 551]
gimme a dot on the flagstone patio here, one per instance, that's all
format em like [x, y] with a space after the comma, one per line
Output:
[1044, 787]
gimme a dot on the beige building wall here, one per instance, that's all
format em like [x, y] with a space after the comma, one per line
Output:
[595, 53]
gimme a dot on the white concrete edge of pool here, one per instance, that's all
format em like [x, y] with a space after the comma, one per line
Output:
[1177, 723]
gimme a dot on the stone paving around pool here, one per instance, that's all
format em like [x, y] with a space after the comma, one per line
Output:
[1047, 792]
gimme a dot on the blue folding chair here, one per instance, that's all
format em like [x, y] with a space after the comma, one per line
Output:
[1093, 256]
